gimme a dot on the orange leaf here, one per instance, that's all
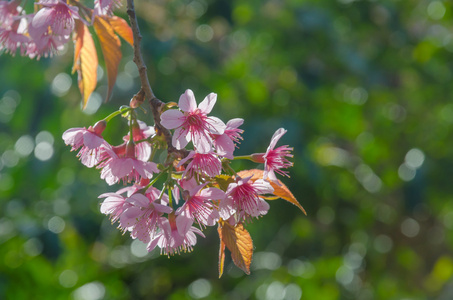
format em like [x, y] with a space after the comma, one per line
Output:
[221, 252]
[110, 46]
[122, 29]
[85, 61]
[238, 241]
[281, 190]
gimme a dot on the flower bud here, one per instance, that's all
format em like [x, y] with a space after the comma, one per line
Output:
[258, 158]
[99, 127]
[130, 149]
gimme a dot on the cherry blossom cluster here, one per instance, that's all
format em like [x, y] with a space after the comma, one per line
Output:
[45, 31]
[192, 195]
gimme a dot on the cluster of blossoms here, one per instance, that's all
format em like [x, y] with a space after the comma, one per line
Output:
[192, 196]
[47, 30]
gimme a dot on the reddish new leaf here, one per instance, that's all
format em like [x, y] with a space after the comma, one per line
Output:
[238, 241]
[280, 191]
[85, 61]
[122, 29]
[111, 50]
[221, 252]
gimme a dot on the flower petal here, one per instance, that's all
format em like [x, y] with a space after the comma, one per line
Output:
[208, 103]
[172, 118]
[187, 101]
[180, 138]
[216, 126]
[277, 135]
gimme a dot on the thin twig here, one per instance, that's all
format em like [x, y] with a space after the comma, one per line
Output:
[155, 104]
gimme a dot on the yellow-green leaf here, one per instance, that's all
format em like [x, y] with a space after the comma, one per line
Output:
[280, 191]
[85, 61]
[111, 50]
[122, 29]
[238, 240]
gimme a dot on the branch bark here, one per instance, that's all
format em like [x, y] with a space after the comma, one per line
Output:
[146, 91]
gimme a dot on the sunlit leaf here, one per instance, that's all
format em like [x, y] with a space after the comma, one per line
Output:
[85, 61]
[110, 45]
[280, 191]
[223, 181]
[221, 252]
[122, 29]
[238, 240]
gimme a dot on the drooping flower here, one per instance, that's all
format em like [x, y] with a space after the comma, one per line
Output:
[141, 131]
[227, 142]
[202, 163]
[242, 196]
[193, 123]
[115, 203]
[12, 28]
[50, 28]
[169, 240]
[141, 215]
[199, 207]
[92, 145]
[275, 160]
[125, 166]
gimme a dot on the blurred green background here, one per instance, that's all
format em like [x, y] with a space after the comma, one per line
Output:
[364, 89]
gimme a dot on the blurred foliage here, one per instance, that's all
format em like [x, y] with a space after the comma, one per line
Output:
[364, 89]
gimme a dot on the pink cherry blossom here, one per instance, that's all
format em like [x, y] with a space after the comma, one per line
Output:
[92, 145]
[125, 167]
[141, 215]
[242, 196]
[170, 241]
[114, 203]
[227, 142]
[199, 207]
[50, 28]
[8, 10]
[105, 7]
[193, 124]
[11, 40]
[202, 163]
[275, 159]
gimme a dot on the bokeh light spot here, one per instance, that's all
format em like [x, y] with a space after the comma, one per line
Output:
[61, 84]
[410, 227]
[204, 33]
[200, 288]
[24, 145]
[56, 224]
[68, 278]
[90, 291]
[43, 151]
[436, 10]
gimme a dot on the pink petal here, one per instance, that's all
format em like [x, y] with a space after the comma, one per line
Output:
[121, 167]
[172, 118]
[184, 160]
[42, 18]
[212, 194]
[208, 103]
[224, 146]
[277, 135]
[235, 123]
[183, 223]
[187, 101]
[263, 187]
[91, 140]
[216, 125]
[202, 142]
[180, 138]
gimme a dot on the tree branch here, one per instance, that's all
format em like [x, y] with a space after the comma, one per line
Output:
[146, 92]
